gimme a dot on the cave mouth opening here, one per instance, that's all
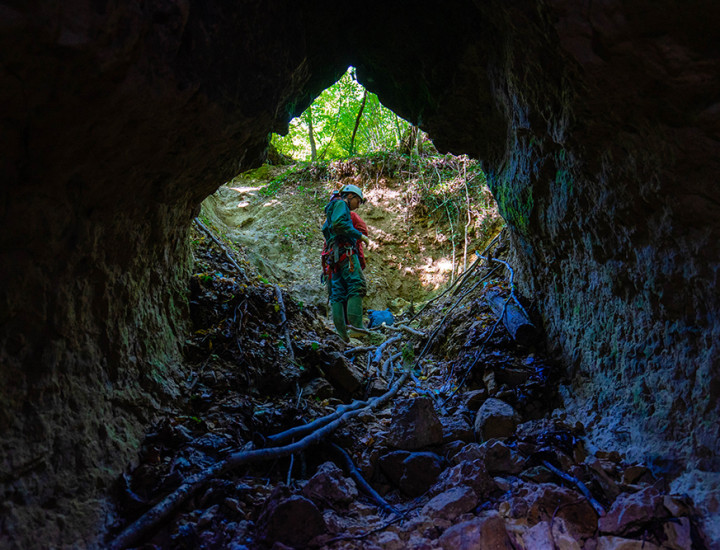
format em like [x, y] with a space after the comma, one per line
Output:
[347, 135]
[344, 120]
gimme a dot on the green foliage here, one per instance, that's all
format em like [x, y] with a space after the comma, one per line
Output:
[300, 177]
[333, 116]
[454, 194]
[408, 354]
[303, 232]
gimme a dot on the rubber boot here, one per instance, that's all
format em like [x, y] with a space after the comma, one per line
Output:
[338, 314]
[355, 315]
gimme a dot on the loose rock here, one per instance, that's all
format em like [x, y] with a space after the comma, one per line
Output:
[343, 374]
[420, 471]
[631, 510]
[452, 503]
[619, 543]
[495, 419]
[292, 521]
[500, 458]
[329, 487]
[415, 424]
[470, 473]
[540, 537]
[481, 533]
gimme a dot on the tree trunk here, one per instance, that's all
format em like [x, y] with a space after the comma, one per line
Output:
[518, 325]
[357, 123]
[311, 135]
[407, 144]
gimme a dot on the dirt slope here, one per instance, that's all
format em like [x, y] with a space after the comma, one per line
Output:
[408, 259]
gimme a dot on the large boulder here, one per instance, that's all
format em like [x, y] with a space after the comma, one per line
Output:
[415, 424]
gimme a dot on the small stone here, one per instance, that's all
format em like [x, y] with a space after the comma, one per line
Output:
[420, 471]
[319, 388]
[233, 505]
[343, 374]
[538, 474]
[544, 501]
[512, 377]
[450, 450]
[489, 380]
[391, 464]
[539, 537]
[612, 456]
[501, 459]
[632, 473]
[329, 487]
[420, 524]
[390, 541]
[601, 476]
[675, 506]
[479, 533]
[470, 473]
[293, 521]
[678, 534]
[457, 428]
[471, 451]
[503, 483]
[495, 419]
[208, 516]
[619, 543]
[416, 542]
[333, 522]
[450, 504]
[472, 400]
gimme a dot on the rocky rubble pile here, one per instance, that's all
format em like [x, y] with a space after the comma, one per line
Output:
[490, 463]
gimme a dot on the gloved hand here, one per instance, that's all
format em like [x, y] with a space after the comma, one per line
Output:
[364, 238]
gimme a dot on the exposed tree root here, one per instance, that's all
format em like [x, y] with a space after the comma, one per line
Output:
[384, 505]
[284, 324]
[218, 242]
[579, 484]
[168, 506]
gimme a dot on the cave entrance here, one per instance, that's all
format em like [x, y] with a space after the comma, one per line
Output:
[426, 212]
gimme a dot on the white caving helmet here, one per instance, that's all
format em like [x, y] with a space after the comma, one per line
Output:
[350, 188]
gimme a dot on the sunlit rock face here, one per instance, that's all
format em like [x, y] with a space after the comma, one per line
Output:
[599, 125]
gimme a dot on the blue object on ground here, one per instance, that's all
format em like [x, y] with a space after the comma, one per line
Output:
[378, 317]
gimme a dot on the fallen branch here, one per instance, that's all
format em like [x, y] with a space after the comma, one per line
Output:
[165, 508]
[472, 365]
[218, 242]
[520, 328]
[384, 505]
[447, 314]
[363, 330]
[462, 280]
[403, 328]
[284, 324]
[510, 283]
[579, 484]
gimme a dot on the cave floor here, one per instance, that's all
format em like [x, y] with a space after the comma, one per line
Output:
[453, 465]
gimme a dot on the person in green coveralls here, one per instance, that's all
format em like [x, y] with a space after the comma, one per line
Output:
[347, 282]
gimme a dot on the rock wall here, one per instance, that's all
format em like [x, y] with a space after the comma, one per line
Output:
[599, 123]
